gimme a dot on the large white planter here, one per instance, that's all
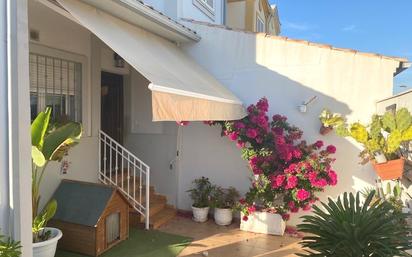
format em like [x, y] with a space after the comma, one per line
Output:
[200, 214]
[223, 217]
[264, 222]
[47, 248]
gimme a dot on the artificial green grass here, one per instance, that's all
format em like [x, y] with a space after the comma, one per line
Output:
[143, 243]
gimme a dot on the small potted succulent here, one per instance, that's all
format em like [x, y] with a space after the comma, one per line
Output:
[223, 200]
[50, 142]
[329, 121]
[385, 141]
[200, 194]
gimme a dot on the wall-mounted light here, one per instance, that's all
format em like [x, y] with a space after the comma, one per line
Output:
[118, 61]
[304, 106]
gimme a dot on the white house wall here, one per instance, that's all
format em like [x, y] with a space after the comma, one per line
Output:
[63, 35]
[287, 73]
[153, 142]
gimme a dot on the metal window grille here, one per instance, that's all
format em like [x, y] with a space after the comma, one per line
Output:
[113, 227]
[55, 83]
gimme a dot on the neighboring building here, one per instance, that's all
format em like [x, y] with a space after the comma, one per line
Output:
[395, 102]
[253, 15]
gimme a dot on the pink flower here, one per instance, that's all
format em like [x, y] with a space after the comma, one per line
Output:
[291, 205]
[297, 153]
[232, 136]
[302, 194]
[285, 216]
[278, 131]
[251, 209]
[292, 182]
[331, 149]
[263, 105]
[240, 144]
[279, 181]
[318, 144]
[182, 123]
[251, 133]
[319, 183]
[242, 201]
[239, 125]
[333, 178]
[245, 218]
[307, 207]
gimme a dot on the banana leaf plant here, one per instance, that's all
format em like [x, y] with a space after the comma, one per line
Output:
[49, 143]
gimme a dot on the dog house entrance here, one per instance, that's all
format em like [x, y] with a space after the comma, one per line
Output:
[113, 228]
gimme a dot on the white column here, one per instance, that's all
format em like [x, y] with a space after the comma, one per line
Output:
[15, 160]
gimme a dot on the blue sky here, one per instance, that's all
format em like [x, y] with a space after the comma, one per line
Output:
[378, 26]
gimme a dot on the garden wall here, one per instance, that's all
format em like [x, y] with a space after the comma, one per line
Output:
[288, 73]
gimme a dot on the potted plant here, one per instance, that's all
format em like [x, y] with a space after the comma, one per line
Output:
[49, 143]
[347, 227]
[329, 121]
[223, 200]
[9, 247]
[200, 195]
[385, 141]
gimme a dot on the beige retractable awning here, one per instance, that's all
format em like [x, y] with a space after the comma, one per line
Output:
[181, 89]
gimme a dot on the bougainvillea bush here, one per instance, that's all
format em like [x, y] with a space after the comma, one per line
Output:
[288, 172]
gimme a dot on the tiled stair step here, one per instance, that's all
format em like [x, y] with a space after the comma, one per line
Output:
[162, 217]
[155, 207]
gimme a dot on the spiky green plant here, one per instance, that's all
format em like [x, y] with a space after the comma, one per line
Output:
[9, 247]
[386, 134]
[331, 120]
[348, 228]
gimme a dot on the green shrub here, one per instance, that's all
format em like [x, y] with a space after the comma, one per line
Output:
[349, 228]
[9, 247]
[200, 193]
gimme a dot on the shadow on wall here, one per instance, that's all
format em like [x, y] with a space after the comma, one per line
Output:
[204, 153]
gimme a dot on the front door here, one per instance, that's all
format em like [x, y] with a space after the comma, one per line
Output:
[112, 105]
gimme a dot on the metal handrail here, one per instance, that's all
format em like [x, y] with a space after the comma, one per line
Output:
[112, 156]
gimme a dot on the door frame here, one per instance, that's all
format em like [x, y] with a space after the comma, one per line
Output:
[122, 107]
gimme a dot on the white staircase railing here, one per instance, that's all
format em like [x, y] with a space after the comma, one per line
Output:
[122, 169]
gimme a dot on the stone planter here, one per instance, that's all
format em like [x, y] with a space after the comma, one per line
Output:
[223, 217]
[47, 248]
[200, 214]
[264, 222]
[389, 170]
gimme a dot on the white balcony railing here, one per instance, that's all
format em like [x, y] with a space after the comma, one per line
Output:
[122, 169]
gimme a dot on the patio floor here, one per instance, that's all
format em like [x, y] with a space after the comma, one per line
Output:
[212, 240]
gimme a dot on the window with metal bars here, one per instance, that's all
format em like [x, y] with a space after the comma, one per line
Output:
[55, 83]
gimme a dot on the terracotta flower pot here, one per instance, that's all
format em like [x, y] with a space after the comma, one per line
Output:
[389, 170]
[325, 130]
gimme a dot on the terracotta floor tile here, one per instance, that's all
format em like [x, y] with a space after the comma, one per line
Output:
[212, 240]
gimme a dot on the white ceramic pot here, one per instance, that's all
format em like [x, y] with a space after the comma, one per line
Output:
[223, 217]
[47, 248]
[264, 222]
[200, 214]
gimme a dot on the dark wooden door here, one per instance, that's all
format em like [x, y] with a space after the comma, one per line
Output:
[112, 105]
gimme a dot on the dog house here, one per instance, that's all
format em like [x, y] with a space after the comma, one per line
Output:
[92, 217]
